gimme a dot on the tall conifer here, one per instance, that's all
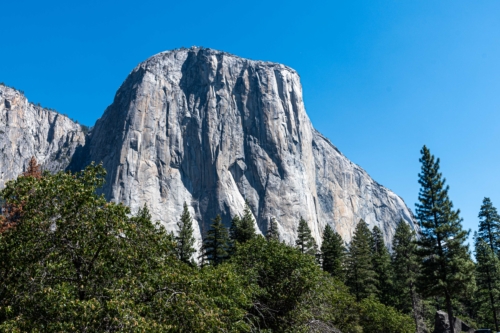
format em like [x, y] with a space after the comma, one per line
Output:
[333, 253]
[185, 239]
[246, 229]
[242, 228]
[446, 265]
[382, 266]
[272, 230]
[216, 244]
[406, 267]
[489, 225]
[361, 277]
[488, 281]
[305, 241]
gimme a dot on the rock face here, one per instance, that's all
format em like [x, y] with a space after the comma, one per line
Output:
[442, 324]
[27, 130]
[212, 129]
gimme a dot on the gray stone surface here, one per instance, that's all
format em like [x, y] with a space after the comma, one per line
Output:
[213, 129]
[442, 324]
[27, 130]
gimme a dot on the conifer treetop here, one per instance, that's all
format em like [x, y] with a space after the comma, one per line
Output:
[489, 225]
[305, 241]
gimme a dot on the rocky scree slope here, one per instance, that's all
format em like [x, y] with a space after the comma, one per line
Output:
[213, 130]
[28, 130]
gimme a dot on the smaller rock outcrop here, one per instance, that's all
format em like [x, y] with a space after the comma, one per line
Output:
[442, 324]
[28, 130]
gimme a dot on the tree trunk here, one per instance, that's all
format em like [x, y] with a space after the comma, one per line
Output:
[414, 305]
[449, 309]
[493, 306]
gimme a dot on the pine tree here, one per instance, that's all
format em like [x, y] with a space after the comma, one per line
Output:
[361, 277]
[246, 229]
[333, 253]
[446, 265]
[242, 229]
[305, 241]
[382, 266]
[233, 229]
[406, 267]
[488, 281]
[185, 239]
[272, 231]
[216, 244]
[489, 225]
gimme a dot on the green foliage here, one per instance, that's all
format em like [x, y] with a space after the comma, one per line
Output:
[272, 231]
[246, 229]
[333, 253]
[280, 276]
[328, 307]
[406, 268]
[361, 276]
[488, 283]
[305, 241]
[377, 318]
[74, 262]
[489, 225]
[382, 266]
[216, 244]
[242, 229]
[447, 269]
[185, 239]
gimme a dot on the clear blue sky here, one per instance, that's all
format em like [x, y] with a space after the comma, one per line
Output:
[380, 78]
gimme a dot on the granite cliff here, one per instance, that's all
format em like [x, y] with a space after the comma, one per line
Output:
[213, 130]
[28, 130]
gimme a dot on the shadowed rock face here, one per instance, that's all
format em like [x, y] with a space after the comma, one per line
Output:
[27, 130]
[212, 129]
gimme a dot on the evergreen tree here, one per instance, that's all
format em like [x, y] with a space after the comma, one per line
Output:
[382, 266]
[233, 229]
[272, 231]
[333, 253]
[242, 229]
[305, 241]
[488, 282]
[361, 277]
[489, 225]
[185, 239]
[246, 230]
[446, 265]
[406, 267]
[216, 244]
